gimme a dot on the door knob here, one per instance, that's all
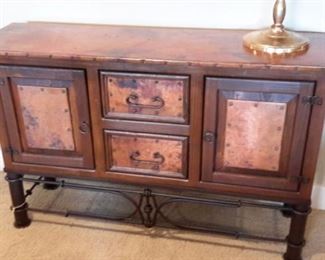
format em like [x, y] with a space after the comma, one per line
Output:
[84, 128]
[209, 137]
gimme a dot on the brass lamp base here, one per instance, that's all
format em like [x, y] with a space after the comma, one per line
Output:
[276, 40]
[273, 41]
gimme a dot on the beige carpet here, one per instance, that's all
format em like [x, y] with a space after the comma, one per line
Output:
[57, 237]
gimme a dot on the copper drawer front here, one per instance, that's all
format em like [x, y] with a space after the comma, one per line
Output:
[147, 97]
[146, 154]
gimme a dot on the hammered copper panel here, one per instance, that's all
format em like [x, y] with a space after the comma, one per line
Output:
[253, 134]
[171, 91]
[124, 146]
[46, 117]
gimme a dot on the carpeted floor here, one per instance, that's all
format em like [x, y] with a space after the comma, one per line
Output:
[60, 238]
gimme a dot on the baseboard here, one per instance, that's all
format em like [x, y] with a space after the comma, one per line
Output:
[318, 197]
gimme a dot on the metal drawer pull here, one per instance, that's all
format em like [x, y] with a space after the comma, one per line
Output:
[158, 159]
[133, 101]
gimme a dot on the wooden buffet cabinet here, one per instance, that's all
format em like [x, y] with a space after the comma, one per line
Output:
[186, 109]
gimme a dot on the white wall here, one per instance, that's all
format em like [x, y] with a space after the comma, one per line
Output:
[308, 15]
[302, 14]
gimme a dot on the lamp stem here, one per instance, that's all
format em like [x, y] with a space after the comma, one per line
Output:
[279, 13]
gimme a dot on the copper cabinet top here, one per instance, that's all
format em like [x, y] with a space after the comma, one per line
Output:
[209, 47]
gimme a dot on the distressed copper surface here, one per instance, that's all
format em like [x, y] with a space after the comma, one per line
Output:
[46, 117]
[149, 45]
[124, 147]
[154, 96]
[253, 134]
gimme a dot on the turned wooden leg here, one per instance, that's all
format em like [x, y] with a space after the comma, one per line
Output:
[19, 204]
[295, 240]
[50, 186]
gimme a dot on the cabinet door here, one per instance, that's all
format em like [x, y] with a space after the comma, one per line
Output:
[255, 132]
[47, 117]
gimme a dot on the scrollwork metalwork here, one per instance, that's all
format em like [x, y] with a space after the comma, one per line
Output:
[149, 209]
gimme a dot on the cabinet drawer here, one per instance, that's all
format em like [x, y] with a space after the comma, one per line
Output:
[145, 97]
[146, 154]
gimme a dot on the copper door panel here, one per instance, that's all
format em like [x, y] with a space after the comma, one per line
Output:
[145, 97]
[148, 154]
[253, 134]
[46, 117]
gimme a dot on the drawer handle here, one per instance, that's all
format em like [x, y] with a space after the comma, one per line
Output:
[133, 101]
[158, 159]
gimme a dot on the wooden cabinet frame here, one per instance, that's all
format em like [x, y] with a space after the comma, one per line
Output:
[77, 54]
